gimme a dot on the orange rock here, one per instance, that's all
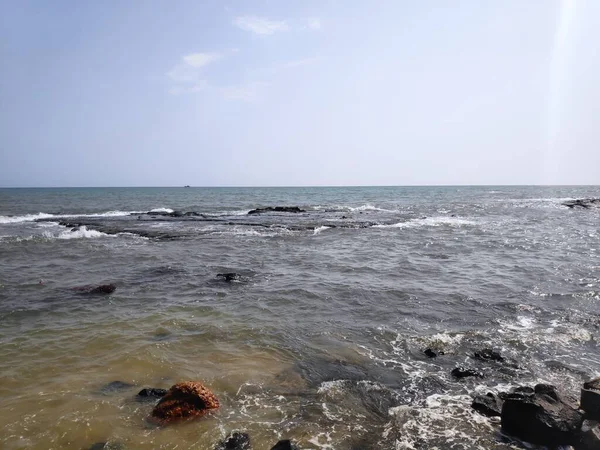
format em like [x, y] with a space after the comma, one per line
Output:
[185, 400]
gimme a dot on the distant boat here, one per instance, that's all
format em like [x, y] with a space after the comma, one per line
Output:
[187, 185]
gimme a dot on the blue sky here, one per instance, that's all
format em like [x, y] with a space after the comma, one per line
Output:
[243, 93]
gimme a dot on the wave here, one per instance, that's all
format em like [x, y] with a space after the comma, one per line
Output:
[42, 215]
[345, 208]
[321, 228]
[430, 222]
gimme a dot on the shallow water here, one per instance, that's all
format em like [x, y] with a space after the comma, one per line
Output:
[320, 342]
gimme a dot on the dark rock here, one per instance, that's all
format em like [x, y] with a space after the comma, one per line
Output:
[541, 418]
[230, 276]
[152, 393]
[463, 372]
[187, 400]
[582, 202]
[432, 354]
[489, 405]
[115, 386]
[102, 289]
[487, 354]
[590, 398]
[235, 441]
[286, 209]
[590, 436]
[285, 444]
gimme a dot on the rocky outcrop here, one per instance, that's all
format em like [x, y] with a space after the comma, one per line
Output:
[235, 441]
[284, 209]
[464, 372]
[489, 405]
[151, 393]
[187, 400]
[432, 353]
[541, 418]
[583, 203]
[590, 399]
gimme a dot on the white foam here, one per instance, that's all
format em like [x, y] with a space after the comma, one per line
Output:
[25, 218]
[81, 232]
[321, 228]
[161, 210]
[366, 207]
[430, 222]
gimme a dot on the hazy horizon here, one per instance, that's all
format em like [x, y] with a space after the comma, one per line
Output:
[299, 94]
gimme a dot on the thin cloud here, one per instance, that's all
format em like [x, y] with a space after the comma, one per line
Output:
[314, 24]
[260, 25]
[187, 76]
[249, 92]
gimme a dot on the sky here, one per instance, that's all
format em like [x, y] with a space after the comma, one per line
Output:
[292, 93]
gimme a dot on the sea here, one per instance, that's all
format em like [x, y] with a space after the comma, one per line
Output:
[320, 335]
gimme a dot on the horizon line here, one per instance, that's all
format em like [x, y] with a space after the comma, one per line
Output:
[298, 186]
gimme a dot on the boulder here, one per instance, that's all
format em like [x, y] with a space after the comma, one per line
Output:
[464, 372]
[286, 209]
[541, 418]
[285, 444]
[235, 441]
[489, 405]
[590, 398]
[487, 354]
[590, 436]
[152, 393]
[185, 400]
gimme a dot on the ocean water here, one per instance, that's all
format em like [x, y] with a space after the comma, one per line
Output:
[322, 338]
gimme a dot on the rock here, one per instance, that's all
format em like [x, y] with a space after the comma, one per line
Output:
[101, 289]
[590, 398]
[152, 393]
[115, 386]
[286, 209]
[230, 276]
[185, 400]
[285, 444]
[541, 418]
[590, 436]
[487, 354]
[489, 405]
[431, 353]
[582, 202]
[235, 441]
[463, 372]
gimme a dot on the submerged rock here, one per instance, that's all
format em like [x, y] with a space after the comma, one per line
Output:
[235, 441]
[185, 400]
[107, 446]
[432, 353]
[464, 372]
[230, 276]
[487, 354]
[583, 203]
[152, 393]
[541, 418]
[115, 386]
[590, 398]
[489, 405]
[101, 289]
[287, 209]
[285, 444]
